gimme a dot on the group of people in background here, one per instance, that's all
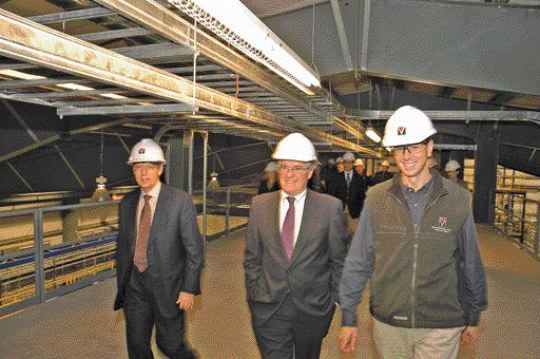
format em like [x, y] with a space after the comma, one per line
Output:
[307, 253]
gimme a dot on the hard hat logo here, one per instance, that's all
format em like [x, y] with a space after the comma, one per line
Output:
[142, 151]
[402, 131]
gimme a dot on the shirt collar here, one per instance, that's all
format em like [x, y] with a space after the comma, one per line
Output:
[154, 192]
[297, 198]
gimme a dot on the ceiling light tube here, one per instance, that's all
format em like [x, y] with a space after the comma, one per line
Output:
[235, 23]
[21, 75]
[75, 87]
[372, 134]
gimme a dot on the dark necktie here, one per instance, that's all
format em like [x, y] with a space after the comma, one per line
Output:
[287, 232]
[348, 176]
[143, 233]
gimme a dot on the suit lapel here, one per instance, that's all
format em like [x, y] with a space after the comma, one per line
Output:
[131, 217]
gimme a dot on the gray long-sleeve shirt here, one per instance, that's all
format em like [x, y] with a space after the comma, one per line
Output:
[360, 259]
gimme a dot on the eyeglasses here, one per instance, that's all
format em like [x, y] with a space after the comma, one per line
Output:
[148, 166]
[293, 169]
[412, 149]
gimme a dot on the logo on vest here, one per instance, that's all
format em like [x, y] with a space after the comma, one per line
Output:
[402, 130]
[443, 226]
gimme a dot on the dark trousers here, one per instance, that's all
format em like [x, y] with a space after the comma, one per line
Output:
[287, 332]
[141, 313]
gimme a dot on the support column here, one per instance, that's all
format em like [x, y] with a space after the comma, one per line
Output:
[178, 161]
[485, 173]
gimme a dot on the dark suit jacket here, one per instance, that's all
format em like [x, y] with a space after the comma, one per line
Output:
[175, 248]
[352, 197]
[381, 177]
[313, 274]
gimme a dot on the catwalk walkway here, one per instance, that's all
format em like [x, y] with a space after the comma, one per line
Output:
[83, 325]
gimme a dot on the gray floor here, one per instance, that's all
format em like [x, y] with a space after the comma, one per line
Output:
[83, 325]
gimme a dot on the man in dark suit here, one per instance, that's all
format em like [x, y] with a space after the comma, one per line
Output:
[383, 174]
[350, 188]
[294, 256]
[159, 258]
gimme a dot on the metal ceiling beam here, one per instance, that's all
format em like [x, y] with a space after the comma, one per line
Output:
[84, 14]
[163, 21]
[57, 137]
[336, 10]
[20, 176]
[30, 42]
[155, 51]
[117, 110]
[524, 116]
[13, 84]
[114, 34]
[63, 94]
[35, 138]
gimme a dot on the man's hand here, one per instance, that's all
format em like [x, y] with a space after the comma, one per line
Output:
[185, 300]
[470, 335]
[347, 339]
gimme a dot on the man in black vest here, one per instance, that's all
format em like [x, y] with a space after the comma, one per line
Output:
[428, 285]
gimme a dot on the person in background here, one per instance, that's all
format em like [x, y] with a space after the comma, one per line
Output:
[417, 242]
[340, 167]
[383, 174]
[452, 170]
[294, 254]
[349, 187]
[315, 182]
[362, 172]
[159, 258]
[269, 183]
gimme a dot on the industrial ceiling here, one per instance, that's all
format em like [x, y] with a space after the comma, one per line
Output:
[124, 69]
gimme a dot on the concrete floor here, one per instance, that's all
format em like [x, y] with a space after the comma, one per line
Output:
[83, 325]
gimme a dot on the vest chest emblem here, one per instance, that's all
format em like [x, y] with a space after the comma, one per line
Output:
[443, 226]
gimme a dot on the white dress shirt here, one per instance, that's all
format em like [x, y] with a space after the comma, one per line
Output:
[154, 192]
[299, 202]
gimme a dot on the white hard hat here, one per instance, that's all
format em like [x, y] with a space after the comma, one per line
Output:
[452, 165]
[358, 162]
[407, 126]
[339, 160]
[348, 157]
[385, 163]
[295, 147]
[146, 150]
[331, 161]
[271, 167]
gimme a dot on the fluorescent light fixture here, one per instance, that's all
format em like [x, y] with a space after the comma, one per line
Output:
[372, 134]
[21, 75]
[113, 96]
[75, 87]
[236, 24]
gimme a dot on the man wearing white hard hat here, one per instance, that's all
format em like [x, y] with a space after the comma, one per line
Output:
[350, 189]
[293, 260]
[383, 175]
[159, 258]
[361, 170]
[270, 182]
[452, 170]
[428, 285]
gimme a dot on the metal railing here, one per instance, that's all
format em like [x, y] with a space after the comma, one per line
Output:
[518, 218]
[46, 252]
